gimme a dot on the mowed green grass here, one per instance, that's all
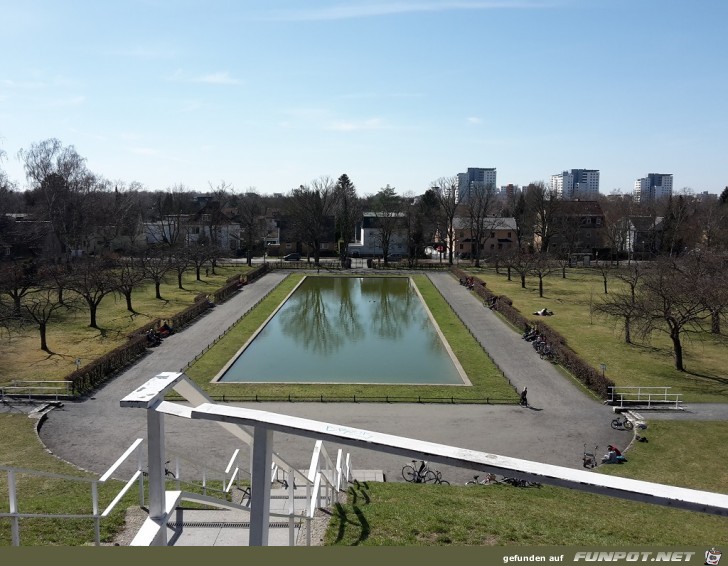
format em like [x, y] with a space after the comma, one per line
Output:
[20, 447]
[70, 337]
[599, 340]
[686, 454]
[487, 381]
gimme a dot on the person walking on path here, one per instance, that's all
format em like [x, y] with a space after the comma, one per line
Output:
[524, 400]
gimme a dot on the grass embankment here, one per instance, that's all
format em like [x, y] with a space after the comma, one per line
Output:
[70, 337]
[685, 454]
[599, 340]
[487, 381]
[20, 447]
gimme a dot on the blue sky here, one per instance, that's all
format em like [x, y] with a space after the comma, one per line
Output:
[272, 94]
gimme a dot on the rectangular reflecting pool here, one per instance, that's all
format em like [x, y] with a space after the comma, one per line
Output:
[348, 330]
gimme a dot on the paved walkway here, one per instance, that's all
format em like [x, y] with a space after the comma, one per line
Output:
[93, 433]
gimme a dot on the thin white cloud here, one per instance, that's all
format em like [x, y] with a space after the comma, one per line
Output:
[221, 78]
[353, 126]
[145, 151]
[365, 10]
[474, 120]
[68, 101]
[218, 78]
[23, 84]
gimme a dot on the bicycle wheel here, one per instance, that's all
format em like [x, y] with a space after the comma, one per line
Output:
[409, 474]
[443, 482]
[430, 477]
[628, 424]
[615, 424]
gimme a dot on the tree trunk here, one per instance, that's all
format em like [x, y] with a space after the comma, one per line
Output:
[563, 272]
[197, 272]
[43, 343]
[92, 312]
[127, 296]
[677, 349]
[509, 273]
[179, 280]
[715, 321]
[523, 280]
[540, 286]
[156, 289]
[627, 330]
[605, 286]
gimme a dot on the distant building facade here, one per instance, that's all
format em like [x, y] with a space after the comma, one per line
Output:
[582, 184]
[473, 179]
[653, 187]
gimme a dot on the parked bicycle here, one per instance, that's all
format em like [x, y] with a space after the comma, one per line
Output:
[622, 424]
[420, 472]
[487, 480]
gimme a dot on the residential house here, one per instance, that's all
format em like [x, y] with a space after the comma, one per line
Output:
[577, 227]
[642, 236]
[370, 233]
[500, 235]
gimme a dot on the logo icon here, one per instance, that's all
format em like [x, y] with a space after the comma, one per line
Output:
[712, 557]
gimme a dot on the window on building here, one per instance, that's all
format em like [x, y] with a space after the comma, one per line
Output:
[492, 234]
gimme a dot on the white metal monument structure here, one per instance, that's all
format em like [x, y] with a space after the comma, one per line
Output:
[150, 396]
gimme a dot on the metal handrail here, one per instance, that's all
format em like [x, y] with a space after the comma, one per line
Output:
[15, 514]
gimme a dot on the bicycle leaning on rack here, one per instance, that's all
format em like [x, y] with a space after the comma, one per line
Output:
[622, 424]
[420, 472]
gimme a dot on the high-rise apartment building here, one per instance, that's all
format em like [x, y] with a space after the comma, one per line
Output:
[653, 187]
[474, 178]
[582, 184]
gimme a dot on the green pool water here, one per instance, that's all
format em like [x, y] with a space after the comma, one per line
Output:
[348, 330]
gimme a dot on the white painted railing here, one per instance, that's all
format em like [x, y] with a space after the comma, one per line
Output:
[35, 389]
[15, 514]
[649, 396]
[150, 396]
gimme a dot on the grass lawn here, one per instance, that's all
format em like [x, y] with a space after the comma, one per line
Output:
[687, 454]
[487, 381]
[20, 447]
[599, 340]
[70, 337]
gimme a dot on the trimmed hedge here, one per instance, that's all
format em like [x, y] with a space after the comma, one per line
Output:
[565, 356]
[87, 378]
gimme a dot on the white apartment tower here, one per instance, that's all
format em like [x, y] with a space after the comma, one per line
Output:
[582, 184]
[653, 187]
[474, 178]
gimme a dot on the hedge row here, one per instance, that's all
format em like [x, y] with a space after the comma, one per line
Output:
[87, 378]
[90, 376]
[565, 356]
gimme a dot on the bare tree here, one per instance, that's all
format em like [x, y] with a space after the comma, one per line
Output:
[17, 279]
[671, 301]
[58, 175]
[623, 304]
[479, 206]
[446, 191]
[387, 207]
[311, 210]
[541, 266]
[156, 264]
[251, 211]
[40, 306]
[129, 274]
[544, 205]
[92, 280]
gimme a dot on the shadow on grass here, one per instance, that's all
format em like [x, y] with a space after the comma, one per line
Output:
[356, 491]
